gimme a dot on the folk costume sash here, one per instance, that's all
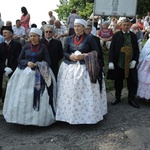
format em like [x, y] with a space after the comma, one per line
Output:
[128, 55]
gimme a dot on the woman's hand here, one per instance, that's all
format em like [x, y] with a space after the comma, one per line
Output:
[74, 57]
[79, 57]
[31, 64]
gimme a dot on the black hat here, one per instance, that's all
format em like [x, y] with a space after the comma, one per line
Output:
[9, 28]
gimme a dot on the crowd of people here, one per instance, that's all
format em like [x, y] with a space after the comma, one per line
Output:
[56, 72]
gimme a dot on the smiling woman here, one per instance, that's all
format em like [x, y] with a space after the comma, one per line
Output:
[38, 11]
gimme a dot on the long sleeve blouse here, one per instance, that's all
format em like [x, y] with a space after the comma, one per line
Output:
[28, 55]
[87, 45]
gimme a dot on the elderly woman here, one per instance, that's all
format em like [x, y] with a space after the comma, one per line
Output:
[81, 97]
[105, 34]
[27, 98]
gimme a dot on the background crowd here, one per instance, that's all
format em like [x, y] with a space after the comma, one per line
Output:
[103, 27]
[54, 62]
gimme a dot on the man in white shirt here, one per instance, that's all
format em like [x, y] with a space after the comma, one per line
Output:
[61, 31]
[19, 33]
[51, 16]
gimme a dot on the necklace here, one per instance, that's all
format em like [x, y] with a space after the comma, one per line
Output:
[35, 48]
[78, 42]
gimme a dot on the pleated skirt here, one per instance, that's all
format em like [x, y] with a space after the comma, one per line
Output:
[18, 103]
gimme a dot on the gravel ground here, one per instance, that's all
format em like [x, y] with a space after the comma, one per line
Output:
[123, 128]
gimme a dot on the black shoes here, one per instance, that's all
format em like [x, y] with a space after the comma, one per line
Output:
[130, 102]
[133, 103]
[116, 101]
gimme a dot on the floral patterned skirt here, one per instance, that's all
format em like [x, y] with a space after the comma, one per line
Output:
[78, 100]
[143, 90]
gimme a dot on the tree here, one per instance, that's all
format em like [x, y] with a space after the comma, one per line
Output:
[63, 10]
[143, 7]
[85, 8]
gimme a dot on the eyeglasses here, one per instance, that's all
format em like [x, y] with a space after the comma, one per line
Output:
[48, 31]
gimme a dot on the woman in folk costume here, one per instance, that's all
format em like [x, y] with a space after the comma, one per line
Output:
[27, 100]
[143, 90]
[81, 93]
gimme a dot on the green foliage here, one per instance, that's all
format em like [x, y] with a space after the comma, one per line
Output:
[63, 10]
[143, 6]
[86, 11]
[85, 8]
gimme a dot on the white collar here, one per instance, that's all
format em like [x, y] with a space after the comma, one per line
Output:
[7, 42]
[125, 32]
[49, 39]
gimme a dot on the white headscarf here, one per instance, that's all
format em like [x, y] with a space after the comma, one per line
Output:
[80, 21]
[36, 31]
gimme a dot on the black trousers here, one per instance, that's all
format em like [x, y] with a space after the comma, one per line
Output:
[132, 82]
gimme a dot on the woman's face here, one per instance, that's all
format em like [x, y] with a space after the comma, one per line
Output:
[79, 29]
[139, 20]
[104, 26]
[34, 38]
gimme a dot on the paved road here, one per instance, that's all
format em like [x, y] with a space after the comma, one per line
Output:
[123, 128]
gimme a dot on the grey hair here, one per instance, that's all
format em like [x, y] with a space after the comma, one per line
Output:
[48, 27]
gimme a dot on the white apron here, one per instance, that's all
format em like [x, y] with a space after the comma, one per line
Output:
[78, 100]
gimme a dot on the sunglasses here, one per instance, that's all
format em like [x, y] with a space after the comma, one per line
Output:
[48, 31]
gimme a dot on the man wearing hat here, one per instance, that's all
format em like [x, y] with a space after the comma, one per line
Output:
[9, 53]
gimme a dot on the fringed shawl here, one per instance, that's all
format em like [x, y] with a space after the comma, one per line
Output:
[42, 79]
[94, 67]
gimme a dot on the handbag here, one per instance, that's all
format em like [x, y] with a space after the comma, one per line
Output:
[110, 74]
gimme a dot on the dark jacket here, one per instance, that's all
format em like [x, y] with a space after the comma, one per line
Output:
[116, 45]
[55, 51]
[13, 54]
[27, 55]
[87, 45]
[100, 50]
